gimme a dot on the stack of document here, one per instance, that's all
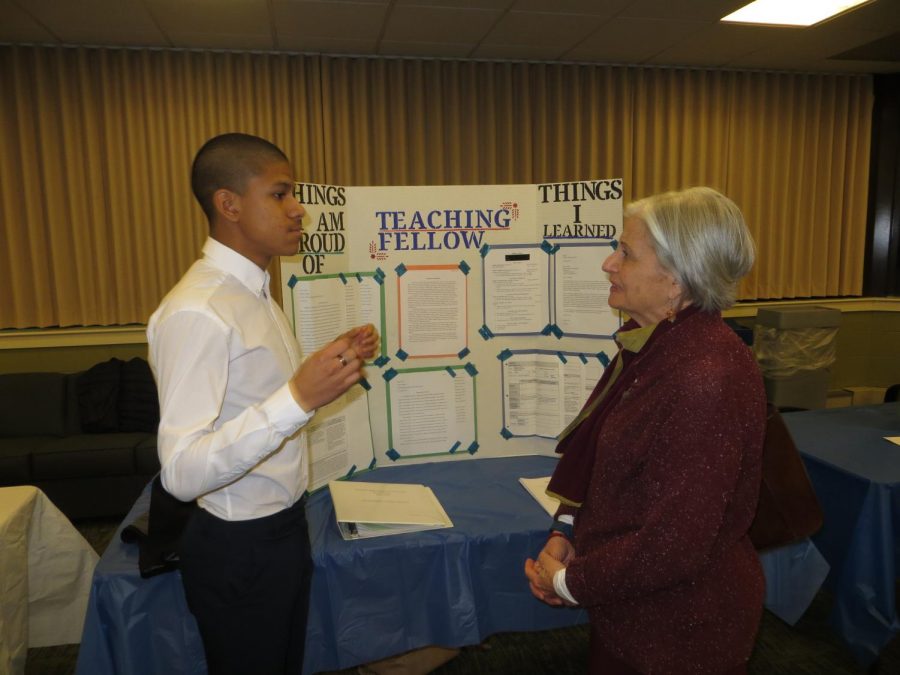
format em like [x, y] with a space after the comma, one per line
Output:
[537, 488]
[379, 509]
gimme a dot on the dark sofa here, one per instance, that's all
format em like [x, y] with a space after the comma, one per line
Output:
[88, 439]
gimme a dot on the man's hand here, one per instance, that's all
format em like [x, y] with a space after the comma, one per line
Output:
[326, 375]
[363, 340]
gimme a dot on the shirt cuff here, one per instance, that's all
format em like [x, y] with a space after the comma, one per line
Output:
[559, 585]
[284, 413]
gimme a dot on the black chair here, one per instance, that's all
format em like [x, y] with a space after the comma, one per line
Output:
[892, 393]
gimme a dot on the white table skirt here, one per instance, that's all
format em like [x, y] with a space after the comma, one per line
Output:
[46, 568]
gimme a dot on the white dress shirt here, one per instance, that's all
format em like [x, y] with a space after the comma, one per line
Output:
[559, 585]
[222, 353]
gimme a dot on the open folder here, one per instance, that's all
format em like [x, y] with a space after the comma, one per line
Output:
[379, 509]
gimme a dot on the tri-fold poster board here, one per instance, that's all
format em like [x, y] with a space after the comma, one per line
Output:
[492, 309]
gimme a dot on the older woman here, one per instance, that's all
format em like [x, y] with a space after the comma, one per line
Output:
[659, 474]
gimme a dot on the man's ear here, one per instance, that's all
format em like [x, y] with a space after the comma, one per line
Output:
[227, 204]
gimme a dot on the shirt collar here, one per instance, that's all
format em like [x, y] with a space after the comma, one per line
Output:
[632, 337]
[232, 262]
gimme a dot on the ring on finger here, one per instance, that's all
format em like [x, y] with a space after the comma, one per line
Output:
[342, 359]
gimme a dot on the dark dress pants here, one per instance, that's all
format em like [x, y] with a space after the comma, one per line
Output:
[247, 584]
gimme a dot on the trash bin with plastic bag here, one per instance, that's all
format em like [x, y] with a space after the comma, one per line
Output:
[796, 348]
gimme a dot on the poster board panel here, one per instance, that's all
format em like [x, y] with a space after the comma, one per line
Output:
[465, 274]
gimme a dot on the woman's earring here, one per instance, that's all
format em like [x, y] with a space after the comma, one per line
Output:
[670, 313]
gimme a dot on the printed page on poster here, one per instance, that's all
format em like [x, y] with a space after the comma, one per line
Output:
[544, 391]
[432, 411]
[516, 289]
[333, 304]
[339, 439]
[433, 310]
[582, 290]
[531, 395]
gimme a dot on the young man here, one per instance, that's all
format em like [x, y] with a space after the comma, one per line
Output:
[233, 398]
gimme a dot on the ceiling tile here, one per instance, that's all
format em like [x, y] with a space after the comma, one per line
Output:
[820, 42]
[623, 40]
[765, 60]
[338, 20]
[873, 16]
[325, 45]
[93, 37]
[684, 32]
[215, 17]
[716, 45]
[464, 4]
[439, 24]
[517, 52]
[245, 41]
[882, 49]
[542, 29]
[426, 49]
[606, 8]
[859, 67]
[102, 22]
[696, 10]
[809, 49]
[17, 25]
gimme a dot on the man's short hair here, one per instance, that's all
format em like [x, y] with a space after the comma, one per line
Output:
[229, 161]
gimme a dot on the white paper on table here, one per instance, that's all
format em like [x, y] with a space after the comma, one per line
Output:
[433, 310]
[516, 290]
[377, 509]
[537, 488]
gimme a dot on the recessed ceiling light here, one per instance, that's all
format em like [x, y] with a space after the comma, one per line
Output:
[791, 12]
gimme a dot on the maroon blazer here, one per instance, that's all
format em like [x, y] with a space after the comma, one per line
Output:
[664, 564]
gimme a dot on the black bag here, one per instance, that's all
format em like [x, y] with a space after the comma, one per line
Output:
[158, 532]
[788, 509]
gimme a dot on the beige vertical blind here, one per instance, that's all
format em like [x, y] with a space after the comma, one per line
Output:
[404, 122]
[98, 221]
[799, 168]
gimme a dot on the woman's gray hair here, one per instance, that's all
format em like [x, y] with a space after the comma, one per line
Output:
[700, 236]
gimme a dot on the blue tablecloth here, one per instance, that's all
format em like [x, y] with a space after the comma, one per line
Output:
[856, 474]
[376, 597]
[370, 598]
